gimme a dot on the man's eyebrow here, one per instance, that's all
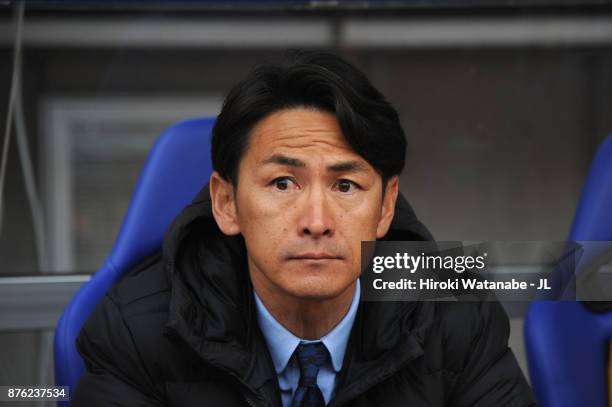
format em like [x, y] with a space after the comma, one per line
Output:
[284, 160]
[348, 166]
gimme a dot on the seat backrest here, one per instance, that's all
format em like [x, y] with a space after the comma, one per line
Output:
[593, 219]
[567, 344]
[177, 167]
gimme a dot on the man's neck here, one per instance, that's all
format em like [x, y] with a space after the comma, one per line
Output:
[306, 318]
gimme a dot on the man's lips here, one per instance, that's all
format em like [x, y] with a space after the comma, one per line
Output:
[314, 256]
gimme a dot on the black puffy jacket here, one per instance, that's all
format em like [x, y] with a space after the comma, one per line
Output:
[181, 330]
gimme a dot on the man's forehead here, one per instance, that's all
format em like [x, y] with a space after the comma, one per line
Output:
[296, 118]
[300, 137]
[298, 125]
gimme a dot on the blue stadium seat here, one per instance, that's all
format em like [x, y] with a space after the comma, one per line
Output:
[177, 167]
[567, 344]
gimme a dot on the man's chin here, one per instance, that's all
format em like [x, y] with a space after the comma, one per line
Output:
[319, 292]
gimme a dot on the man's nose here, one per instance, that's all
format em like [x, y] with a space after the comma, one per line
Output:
[316, 217]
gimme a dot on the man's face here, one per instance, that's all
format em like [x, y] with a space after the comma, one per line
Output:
[304, 202]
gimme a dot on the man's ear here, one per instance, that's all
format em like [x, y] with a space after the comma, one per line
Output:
[224, 204]
[388, 206]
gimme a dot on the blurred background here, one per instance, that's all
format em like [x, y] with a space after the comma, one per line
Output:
[503, 104]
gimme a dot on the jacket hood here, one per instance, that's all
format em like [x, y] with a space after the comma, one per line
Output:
[212, 309]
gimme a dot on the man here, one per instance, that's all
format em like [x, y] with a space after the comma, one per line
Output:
[255, 299]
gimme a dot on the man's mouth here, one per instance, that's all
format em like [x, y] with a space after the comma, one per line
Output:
[315, 257]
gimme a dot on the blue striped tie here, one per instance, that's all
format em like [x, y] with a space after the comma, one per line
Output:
[311, 357]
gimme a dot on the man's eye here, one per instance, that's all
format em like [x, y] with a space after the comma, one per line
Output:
[283, 183]
[344, 185]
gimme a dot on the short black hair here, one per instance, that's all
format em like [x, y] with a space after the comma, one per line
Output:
[318, 80]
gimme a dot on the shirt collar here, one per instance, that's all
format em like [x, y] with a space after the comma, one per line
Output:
[282, 343]
[336, 340]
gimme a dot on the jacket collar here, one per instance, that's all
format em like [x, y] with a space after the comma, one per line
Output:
[213, 311]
